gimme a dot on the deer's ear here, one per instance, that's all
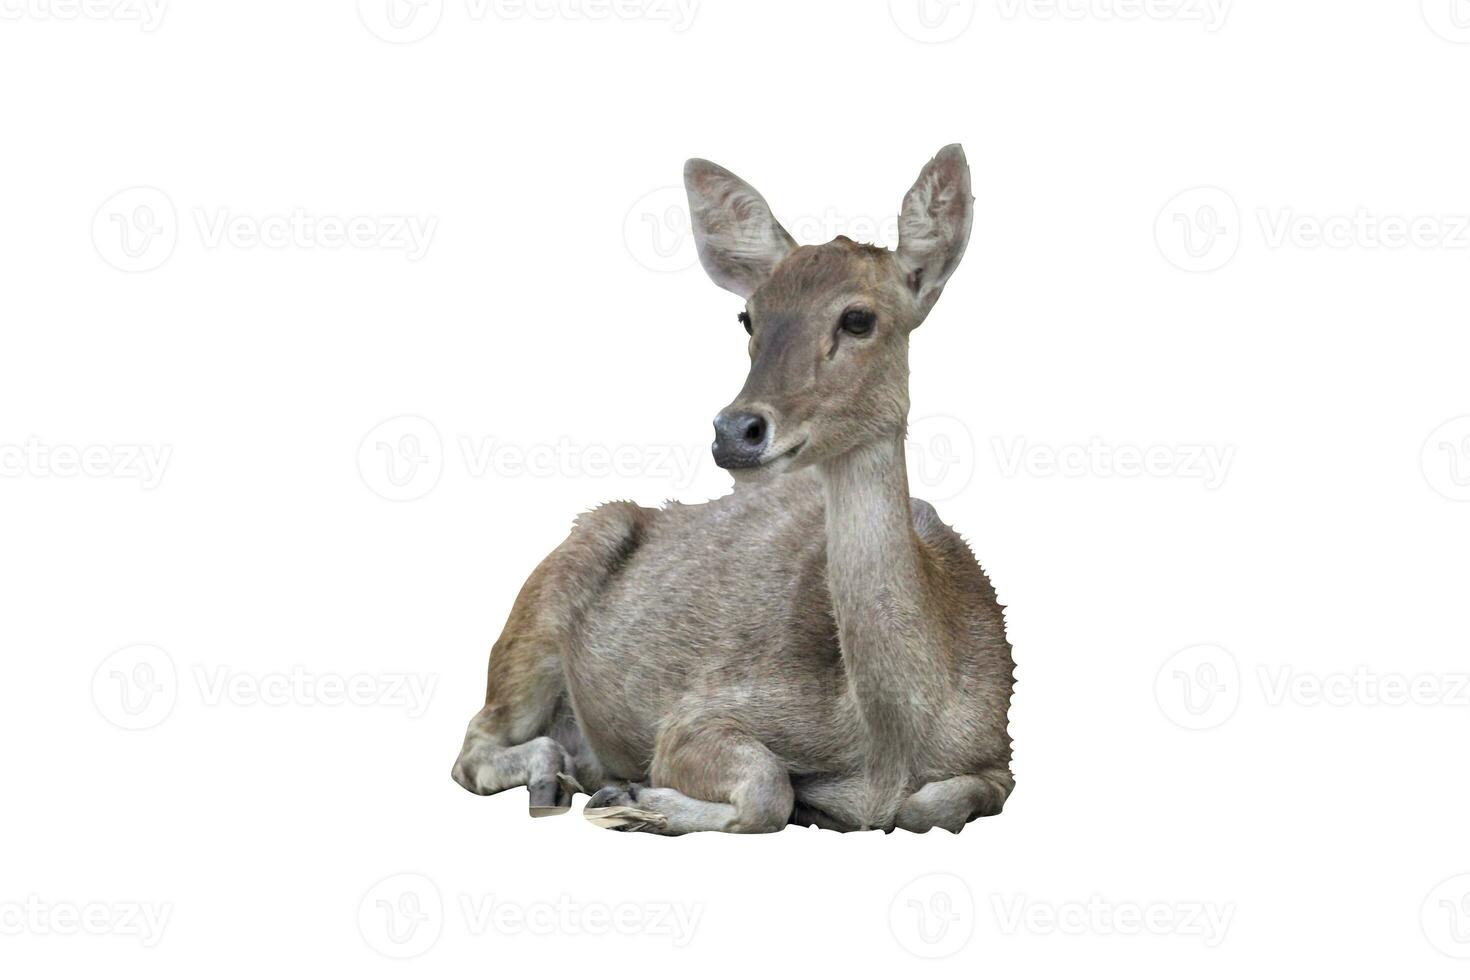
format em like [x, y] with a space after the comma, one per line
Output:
[740, 242]
[934, 225]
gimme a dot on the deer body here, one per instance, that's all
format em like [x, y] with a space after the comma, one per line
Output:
[815, 646]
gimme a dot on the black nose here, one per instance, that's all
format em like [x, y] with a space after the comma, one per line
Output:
[740, 438]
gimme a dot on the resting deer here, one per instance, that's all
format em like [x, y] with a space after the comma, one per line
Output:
[815, 647]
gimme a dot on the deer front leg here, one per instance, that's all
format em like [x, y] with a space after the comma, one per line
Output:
[486, 765]
[705, 776]
[527, 735]
[952, 803]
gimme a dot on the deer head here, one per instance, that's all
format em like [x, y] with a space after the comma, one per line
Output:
[829, 324]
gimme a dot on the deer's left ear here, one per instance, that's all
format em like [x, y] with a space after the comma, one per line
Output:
[934, 225]
[740, 242]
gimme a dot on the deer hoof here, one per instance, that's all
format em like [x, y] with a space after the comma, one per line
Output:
[615, 808]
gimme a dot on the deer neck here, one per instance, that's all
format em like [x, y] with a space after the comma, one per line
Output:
[881, 598]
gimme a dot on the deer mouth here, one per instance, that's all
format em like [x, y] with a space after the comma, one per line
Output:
[785, 458]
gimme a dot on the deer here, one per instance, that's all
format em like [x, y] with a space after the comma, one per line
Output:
[814, 648]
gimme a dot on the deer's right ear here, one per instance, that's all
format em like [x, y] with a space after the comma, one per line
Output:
[740, 241]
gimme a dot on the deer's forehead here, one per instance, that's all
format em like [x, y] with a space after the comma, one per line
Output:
[814, 275]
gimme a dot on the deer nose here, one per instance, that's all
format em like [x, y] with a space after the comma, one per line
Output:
[740, 438]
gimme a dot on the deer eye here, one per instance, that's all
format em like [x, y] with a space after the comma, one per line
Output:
[744, 318]
[859, 323]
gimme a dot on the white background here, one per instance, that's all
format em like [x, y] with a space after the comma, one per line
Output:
[549, 343]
